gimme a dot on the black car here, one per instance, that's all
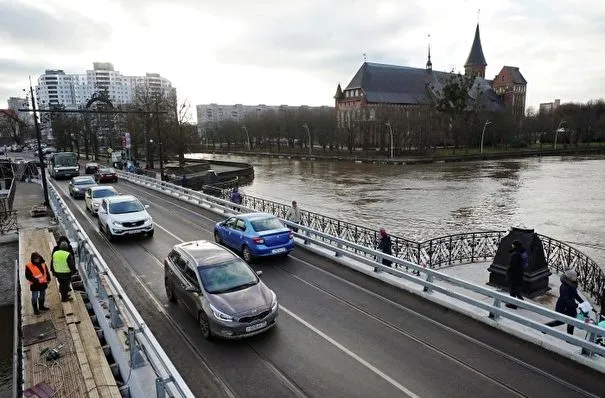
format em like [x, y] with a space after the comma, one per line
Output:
[91, 168]
[79, 185]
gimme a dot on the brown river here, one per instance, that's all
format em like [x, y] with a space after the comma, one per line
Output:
[561, 197]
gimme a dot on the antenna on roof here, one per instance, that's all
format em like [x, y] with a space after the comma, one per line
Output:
[365, 58]
[478, 12]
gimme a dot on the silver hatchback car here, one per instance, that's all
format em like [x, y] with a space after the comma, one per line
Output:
[224, 294]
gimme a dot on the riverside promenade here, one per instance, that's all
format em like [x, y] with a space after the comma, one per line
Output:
[58, 353]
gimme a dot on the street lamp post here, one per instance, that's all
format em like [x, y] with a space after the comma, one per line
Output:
[388, 124]
[39, 140]
[247, 137]
[557, 131]
[483, 134]
[157, 114]
[306, 126]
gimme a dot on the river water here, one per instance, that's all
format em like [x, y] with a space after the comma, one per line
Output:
[561, 197]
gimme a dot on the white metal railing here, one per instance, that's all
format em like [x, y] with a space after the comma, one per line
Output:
[344, 248]
[143, 364]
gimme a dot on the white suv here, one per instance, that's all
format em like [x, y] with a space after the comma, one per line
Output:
[124, 215]
[94, 196]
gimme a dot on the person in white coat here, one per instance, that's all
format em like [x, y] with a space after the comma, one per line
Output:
[294, 215]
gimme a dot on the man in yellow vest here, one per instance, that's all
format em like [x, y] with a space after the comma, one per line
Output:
[37, 274]
[63, 266]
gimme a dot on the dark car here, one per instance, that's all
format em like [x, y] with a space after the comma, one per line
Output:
[91, 168]
[225, 295]
[79, 185]
[255, 235]
[105, 174]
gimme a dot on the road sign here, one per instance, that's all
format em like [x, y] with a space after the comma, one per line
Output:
[109, 150]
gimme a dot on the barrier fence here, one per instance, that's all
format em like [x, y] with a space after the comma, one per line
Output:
[141, 359]
[367, 255]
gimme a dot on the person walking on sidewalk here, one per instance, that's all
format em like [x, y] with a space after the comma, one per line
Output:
[386, 246]
[568, 295]
[63, 266]
[519, 261]
[294, 215]
[38, 276]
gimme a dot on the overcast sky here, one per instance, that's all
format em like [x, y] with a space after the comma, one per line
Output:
[295, 52]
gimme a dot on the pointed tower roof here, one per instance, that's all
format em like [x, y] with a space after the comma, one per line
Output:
[338, 94]
[476, 56]
[429, 64]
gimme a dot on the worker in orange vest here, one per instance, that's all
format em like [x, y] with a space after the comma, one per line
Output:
[38, 276]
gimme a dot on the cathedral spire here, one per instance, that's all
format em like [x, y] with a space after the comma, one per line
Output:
[429, 64]
[475, 63]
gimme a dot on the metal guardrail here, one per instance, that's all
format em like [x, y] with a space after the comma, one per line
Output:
[354, 251]
[445, 250]
[17, 338]
[141, 359]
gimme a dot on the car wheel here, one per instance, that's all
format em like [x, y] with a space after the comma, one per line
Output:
[169, 291]
[150, 233]
[110, 236]
[100, 226]
[247, 254]
[204, 325]
[217, 238]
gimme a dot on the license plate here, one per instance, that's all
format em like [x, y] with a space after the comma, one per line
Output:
[135, 231]
[280, 250]
[256, 327]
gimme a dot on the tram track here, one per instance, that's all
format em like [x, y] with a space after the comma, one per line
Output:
[504, 356]
[230, 392]
[281, 375]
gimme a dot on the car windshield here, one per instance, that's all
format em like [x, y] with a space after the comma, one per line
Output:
[84, 181]
[103, 193]
[131, 206]
[105, 171]
[227, 277]
[266, 224]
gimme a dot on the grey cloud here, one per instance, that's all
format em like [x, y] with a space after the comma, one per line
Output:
[34, 29]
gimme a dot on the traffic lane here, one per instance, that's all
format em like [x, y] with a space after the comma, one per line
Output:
[241, 370]
[371, 344]
[394, 353]
[230, 360]
[536, 359]
[199, 377]
[535, 362]
[456, 345]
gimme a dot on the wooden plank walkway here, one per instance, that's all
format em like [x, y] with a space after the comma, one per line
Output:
[82, 369]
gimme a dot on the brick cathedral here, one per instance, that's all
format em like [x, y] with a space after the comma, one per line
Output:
[380, 85]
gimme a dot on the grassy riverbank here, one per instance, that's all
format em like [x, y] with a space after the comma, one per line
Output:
[438, 155]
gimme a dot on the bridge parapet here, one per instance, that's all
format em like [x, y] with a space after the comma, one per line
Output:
[141, 360]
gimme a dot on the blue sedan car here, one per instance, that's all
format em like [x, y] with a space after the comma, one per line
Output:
[255, 235]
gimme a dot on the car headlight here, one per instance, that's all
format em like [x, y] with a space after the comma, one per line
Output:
[76, 189]
[96, 204]
[117, 224]
[221, 315]
[273, 300]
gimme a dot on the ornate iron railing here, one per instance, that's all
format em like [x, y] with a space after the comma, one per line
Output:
[446, 250]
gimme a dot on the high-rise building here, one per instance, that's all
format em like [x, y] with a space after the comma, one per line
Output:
[16, 103]
[73, 91]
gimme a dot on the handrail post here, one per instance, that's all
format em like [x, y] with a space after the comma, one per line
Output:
[160, 386]
[114, 313]
[136, 359]
[493, 315]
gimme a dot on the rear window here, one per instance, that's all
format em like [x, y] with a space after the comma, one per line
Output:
[104, 193]
[266, 224]
[84, 181]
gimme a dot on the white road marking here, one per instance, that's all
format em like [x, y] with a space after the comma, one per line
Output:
[330, 340]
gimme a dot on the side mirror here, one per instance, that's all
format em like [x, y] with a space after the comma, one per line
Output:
[259, 273]
[147, 206]
[192, 289]
[102, 211]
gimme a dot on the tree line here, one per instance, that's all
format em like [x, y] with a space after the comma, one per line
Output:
[450, 121]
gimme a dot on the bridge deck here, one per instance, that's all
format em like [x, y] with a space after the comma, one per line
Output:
[82, 369]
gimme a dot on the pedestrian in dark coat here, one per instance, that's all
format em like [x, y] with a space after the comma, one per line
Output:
[386, 246]
[38, 276]
[568, 295]
[519, 261]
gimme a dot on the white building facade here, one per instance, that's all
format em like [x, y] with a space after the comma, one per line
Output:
[73, 91]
